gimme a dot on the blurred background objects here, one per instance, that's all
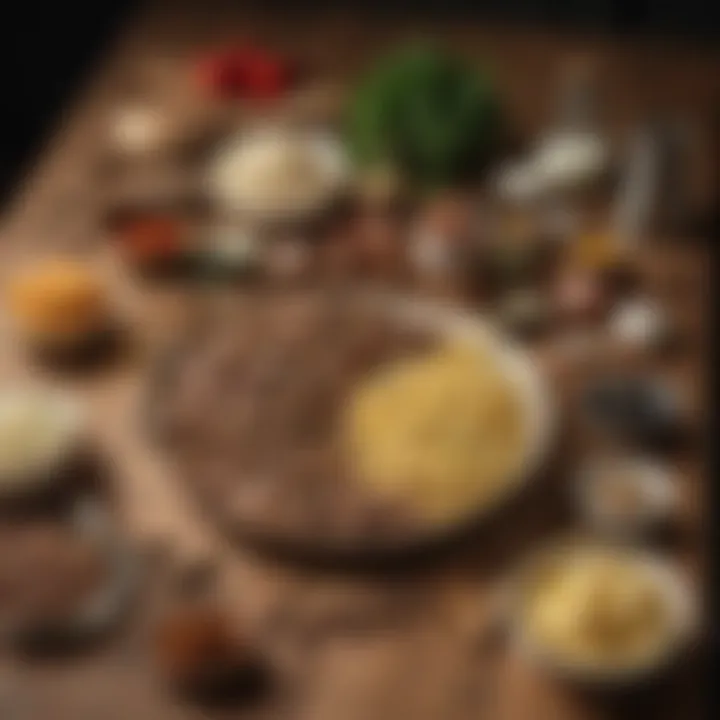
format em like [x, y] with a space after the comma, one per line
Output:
[48, 49]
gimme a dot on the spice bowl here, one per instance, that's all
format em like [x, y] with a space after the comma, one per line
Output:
[155, 243]
[275, 179]
[64, 312]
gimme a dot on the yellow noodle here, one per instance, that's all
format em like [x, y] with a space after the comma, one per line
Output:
[444, 432]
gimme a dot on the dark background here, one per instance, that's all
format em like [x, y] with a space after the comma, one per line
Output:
[47, 48]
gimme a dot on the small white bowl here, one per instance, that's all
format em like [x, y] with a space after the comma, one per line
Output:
[50, 423]
[233, 197]
[680, 602]
[644, 482]
[539, 412]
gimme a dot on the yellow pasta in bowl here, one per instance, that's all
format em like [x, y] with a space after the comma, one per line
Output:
[600, 613]
[444, 432]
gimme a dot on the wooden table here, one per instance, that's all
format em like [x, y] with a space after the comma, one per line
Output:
[405, 643]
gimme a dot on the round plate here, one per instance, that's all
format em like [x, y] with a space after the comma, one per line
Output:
[313, 537]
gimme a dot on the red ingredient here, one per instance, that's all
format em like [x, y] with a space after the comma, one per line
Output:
[197, 650]
[152, 239]
[246, 72]
[190, 639]
[220, 75]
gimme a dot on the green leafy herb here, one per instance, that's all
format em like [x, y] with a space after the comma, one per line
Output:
[427, 114]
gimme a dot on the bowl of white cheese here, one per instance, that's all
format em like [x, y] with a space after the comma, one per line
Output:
[277, 174]
[40, 430]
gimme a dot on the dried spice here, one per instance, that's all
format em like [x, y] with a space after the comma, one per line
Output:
[152, 241]
[60, 301]
[198, 652]
[597, 252]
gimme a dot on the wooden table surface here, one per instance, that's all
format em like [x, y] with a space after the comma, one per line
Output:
[405, 643]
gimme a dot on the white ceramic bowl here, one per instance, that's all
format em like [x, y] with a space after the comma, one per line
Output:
[683, 620]
[448, 321]
[40, 429]
[234, 196]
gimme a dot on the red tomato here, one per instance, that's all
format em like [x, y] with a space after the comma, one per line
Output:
[244, 72]
[220, 75]
[266, 79]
